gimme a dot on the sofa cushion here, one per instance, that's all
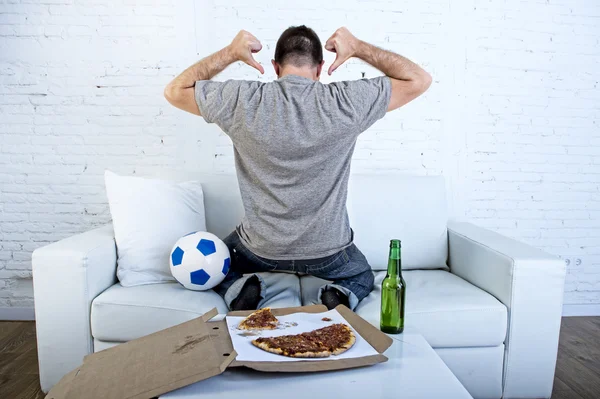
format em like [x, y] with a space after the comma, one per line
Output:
[149, 216]
[447, 310]
[124, 313]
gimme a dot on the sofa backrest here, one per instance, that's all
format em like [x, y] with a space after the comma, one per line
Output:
[409, 208]
[380, 207]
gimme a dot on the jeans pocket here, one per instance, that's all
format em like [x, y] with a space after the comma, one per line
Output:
[251, 263]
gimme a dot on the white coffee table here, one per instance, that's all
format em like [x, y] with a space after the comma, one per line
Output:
[413, 370]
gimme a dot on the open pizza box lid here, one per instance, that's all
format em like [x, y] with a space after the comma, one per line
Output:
[190, 352]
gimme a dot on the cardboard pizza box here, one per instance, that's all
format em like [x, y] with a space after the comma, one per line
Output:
[190, 352]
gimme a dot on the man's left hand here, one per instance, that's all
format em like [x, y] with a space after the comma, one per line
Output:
[242, 47]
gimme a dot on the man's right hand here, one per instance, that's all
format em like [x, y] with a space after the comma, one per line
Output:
[242, 47]
[344, 44]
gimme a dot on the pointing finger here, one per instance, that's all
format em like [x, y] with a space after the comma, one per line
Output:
[253, 63]
[338, 61]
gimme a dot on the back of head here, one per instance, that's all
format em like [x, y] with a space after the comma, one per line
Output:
[299, 46]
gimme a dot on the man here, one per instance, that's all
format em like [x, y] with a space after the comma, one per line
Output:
[293, 140]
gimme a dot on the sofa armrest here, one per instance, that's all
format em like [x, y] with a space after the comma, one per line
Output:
[530, 283]
[67, 276]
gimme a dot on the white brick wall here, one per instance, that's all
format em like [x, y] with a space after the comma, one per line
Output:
[512, 118]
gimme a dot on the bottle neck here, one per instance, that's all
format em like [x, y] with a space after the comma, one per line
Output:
[394, 262]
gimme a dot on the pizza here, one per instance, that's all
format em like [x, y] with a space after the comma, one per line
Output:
[324, 342]
[262, 319]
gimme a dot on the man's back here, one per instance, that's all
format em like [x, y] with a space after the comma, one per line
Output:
[293, 141]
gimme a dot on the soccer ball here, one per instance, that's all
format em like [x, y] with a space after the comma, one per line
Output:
[200, 261]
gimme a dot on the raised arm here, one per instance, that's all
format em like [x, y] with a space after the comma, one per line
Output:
[408, 79]
[180, 92]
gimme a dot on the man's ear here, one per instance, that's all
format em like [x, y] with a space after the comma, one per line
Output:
[276, 67]
[319, 69]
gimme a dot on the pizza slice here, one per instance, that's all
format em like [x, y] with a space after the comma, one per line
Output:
[324, 342]
[262, 319]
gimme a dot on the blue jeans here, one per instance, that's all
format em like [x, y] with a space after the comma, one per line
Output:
[348, 270]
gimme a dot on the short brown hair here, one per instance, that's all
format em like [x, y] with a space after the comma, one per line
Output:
[299, 46]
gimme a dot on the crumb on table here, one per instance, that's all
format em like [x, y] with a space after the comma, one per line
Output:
[248, 334]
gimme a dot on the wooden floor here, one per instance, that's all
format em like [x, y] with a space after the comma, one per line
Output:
[19, 377]
[577, 370]
[578, 365]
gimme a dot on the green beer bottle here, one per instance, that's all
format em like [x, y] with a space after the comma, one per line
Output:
[393, 290]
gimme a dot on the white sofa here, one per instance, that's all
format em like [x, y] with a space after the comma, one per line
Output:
[490, 306]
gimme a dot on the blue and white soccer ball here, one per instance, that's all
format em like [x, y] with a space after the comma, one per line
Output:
[200, 261]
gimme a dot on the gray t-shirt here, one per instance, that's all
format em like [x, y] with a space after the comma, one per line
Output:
[293, 140]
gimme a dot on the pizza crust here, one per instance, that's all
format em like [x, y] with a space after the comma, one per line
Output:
[269, 325]
[347, 345]
[343, 347]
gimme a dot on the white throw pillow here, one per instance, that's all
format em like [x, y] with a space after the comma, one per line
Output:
[149, 216]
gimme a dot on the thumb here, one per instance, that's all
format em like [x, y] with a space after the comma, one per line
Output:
[253, 63]
[338, 61]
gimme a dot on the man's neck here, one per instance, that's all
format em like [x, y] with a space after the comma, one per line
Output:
[307, 73]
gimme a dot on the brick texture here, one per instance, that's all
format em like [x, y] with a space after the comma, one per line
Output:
[512, 118]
